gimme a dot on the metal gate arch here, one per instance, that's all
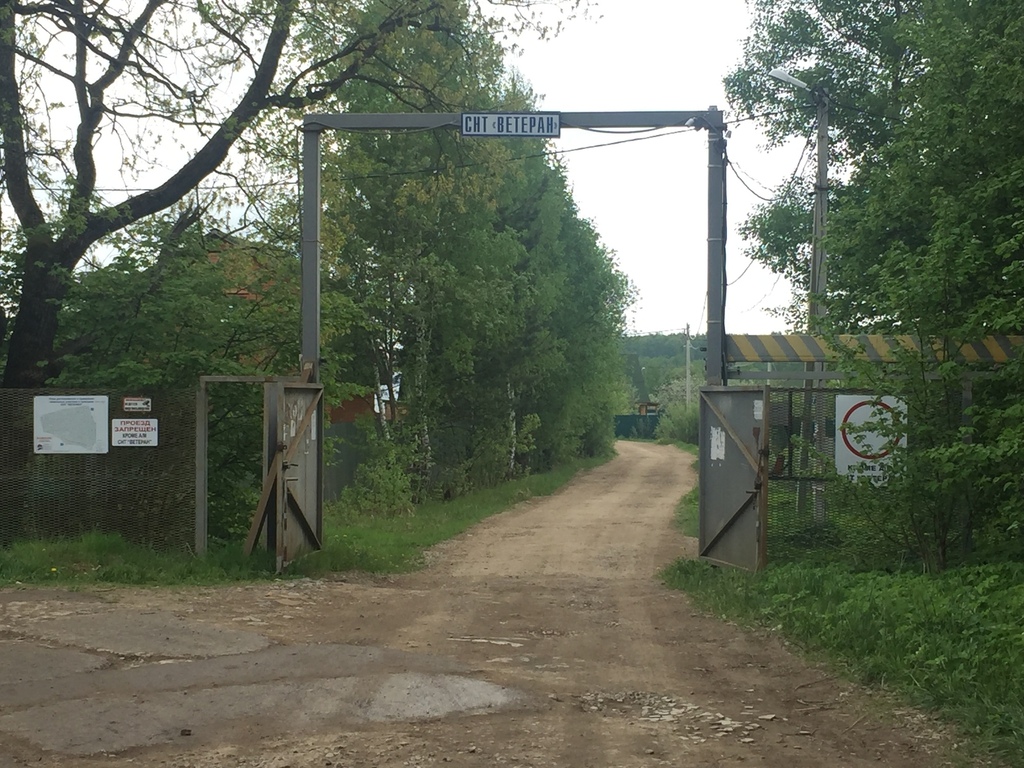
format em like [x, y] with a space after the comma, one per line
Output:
[732, 455]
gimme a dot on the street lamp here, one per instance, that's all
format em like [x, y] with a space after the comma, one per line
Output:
[816, 284]
[821, 99]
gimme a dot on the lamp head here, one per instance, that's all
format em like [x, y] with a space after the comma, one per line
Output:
[780, 74]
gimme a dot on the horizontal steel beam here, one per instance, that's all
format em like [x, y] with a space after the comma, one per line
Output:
[740, 375]
[365, 121]
[800, 348]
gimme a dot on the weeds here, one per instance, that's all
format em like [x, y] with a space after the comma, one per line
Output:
[105, 557]
[688, 513]
[952, 643]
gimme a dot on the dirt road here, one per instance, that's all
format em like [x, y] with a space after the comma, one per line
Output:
[540, 638]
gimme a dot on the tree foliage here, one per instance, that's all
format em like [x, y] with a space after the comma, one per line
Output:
[460, 285]
[111, 112]
[478, 282]
[925, 237]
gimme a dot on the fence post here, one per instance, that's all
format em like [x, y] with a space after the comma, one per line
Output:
[202, 477]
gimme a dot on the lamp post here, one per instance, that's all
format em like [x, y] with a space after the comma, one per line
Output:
[816, 285]
[687, 366]
[811, 427]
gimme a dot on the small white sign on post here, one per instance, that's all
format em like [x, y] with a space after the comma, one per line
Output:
[70, 424]
[137, 404]
[523, 125]
[133, 433]
[865, 436]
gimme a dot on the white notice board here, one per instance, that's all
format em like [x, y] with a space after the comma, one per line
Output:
[70, 424]
[865, 438]
[133, 433]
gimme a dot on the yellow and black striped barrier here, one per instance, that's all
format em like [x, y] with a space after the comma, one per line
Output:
[802, 348]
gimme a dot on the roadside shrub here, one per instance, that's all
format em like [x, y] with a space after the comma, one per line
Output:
[382, 484]
[679, 424]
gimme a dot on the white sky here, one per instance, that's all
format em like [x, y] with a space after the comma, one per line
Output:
[648, 199]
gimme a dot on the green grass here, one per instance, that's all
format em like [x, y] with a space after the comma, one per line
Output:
[688, 509]
[352, 542]
[686, 447]
[951, 643]
[688, 513]
[105, 557]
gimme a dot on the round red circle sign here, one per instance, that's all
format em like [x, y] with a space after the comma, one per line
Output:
[868, 453]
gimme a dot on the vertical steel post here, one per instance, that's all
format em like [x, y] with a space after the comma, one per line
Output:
[310, 197]
[202, 466]
[310, 350]
[688, 366]
[716, 373]
[967, 422]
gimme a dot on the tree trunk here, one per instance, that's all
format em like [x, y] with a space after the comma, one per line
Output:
[34, 330]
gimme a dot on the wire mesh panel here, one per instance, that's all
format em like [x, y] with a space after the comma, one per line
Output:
[74, 462]
[813, 512]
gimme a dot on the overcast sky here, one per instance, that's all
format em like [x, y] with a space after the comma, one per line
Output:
[648, 199]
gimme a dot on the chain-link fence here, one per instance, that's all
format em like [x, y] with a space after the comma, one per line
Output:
[813, 512]
[73, 462]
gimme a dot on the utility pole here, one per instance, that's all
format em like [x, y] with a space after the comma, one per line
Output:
[716, 373]
[816, 287]
[812, 428]
[816, 284]
[821, 99]
[687, 366]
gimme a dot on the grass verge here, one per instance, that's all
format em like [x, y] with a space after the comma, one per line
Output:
[685, 447]
[688, 514]
[352, 542]
[106, 557]
[950, 643]
[688, 509]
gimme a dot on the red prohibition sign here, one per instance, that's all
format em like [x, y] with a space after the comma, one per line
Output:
[846, 420]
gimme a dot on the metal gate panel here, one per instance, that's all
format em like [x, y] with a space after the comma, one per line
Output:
[297, 514]
[289, 515]
[733, 429]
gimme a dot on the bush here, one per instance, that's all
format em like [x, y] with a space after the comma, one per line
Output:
[679, 424]
[383, 485]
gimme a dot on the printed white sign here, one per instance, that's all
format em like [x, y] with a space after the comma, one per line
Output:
[70, 424]
[137, 404]
[865, 436]
[132, 433]
[547, 125]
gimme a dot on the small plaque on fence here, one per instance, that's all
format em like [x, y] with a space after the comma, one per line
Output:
[133, 433]
[137, 404]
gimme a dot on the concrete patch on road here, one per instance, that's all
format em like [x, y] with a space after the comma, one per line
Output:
[155, 634]
[413, 695]
[22, 662]
[282, 689]
[37, 595]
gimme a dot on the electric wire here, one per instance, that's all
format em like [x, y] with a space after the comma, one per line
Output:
[737, 168]
[745, 270]
[652, 133]
[732, 167]
[417, 171]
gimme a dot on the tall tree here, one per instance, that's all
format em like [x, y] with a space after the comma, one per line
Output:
[97, 99]
[926, 238]
[863, 55]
